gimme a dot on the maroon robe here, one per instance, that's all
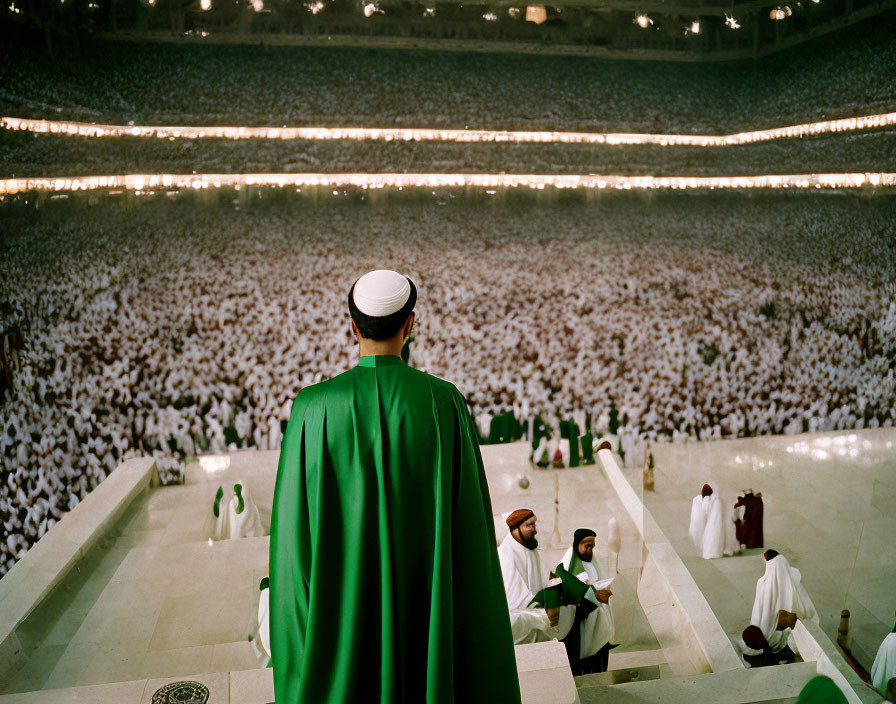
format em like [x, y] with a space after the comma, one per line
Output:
[749, 530]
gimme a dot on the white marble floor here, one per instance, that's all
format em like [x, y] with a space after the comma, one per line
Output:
[155, 600]
[830, 508]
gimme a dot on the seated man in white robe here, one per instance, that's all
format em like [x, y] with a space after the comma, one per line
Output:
[780, 588]
[243, 520]
[588, 642]
[523, 579]
[712, 528]
[219, 514]
[884, 668]
[238, 518]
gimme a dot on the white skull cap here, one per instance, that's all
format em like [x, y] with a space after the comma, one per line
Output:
[382, 292]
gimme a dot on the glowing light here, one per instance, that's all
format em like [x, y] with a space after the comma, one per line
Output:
[777, 14]
[205, 5]
[84, 129]
[490, 17]
[643, 21]
[536, 14]
[693, 28]
[513, 12]
[135, 182]
[257, 5]
[314, 7]
[429, 12]
[371, 9]
[731, 22]
[13, 8]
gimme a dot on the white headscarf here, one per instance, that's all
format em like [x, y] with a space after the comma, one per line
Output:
[780, 588]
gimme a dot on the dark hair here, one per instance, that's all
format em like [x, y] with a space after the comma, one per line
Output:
[373, 328]
[754, 638]
[770, 554]
[706, 490]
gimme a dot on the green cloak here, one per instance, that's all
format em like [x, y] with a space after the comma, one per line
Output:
[384, 574]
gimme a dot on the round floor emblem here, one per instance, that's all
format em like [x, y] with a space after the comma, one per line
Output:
[181, 693]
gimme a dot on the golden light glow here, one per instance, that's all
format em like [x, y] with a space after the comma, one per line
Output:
[536, 14]
[138, 182]
[777, 14]
[731, 22]
[388, 134]
[205, 4]
[643, 21]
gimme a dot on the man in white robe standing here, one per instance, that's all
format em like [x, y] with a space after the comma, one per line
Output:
[596, 629]
[884, 667]
[780, 588]
[523, 579]
[712, 525]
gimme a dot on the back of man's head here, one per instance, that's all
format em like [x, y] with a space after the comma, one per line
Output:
[380, 303]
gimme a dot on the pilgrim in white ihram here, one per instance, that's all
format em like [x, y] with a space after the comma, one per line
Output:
[597, 629]
[712, 527]
[239, 518]
[884, 667]
[780, 588]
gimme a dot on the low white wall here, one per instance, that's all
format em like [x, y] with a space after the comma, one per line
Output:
[678, 613]
[33, 578]
[815, 646]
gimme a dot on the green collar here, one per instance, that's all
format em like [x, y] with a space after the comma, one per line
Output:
[379, 360]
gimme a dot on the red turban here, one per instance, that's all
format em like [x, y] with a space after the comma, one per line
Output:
[518, 517]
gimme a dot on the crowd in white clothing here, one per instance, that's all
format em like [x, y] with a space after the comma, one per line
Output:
[176, 326]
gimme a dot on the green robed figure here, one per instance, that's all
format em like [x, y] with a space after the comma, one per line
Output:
[384, 577]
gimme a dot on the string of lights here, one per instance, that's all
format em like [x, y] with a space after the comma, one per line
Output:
[150, 183]
[388, 134]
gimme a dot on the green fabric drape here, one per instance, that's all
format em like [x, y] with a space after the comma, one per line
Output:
[384, 574]
[821, 690]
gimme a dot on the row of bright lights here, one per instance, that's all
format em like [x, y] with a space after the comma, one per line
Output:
[143, 182]
[372, 8]
[778, 13]
[388, 134]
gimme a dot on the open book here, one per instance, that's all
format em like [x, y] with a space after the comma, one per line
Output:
[599, 583]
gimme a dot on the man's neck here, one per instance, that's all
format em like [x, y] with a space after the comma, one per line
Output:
[381, 347]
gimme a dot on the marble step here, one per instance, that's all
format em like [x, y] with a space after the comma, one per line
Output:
[781, 683]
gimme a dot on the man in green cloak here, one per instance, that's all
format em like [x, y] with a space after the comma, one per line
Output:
[384, 577]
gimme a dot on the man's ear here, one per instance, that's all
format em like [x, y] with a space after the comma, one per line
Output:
[355, 331]
[408, 326]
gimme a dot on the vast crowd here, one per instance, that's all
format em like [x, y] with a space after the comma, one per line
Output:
[174, 326]
[849, 72]
[24, 154]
